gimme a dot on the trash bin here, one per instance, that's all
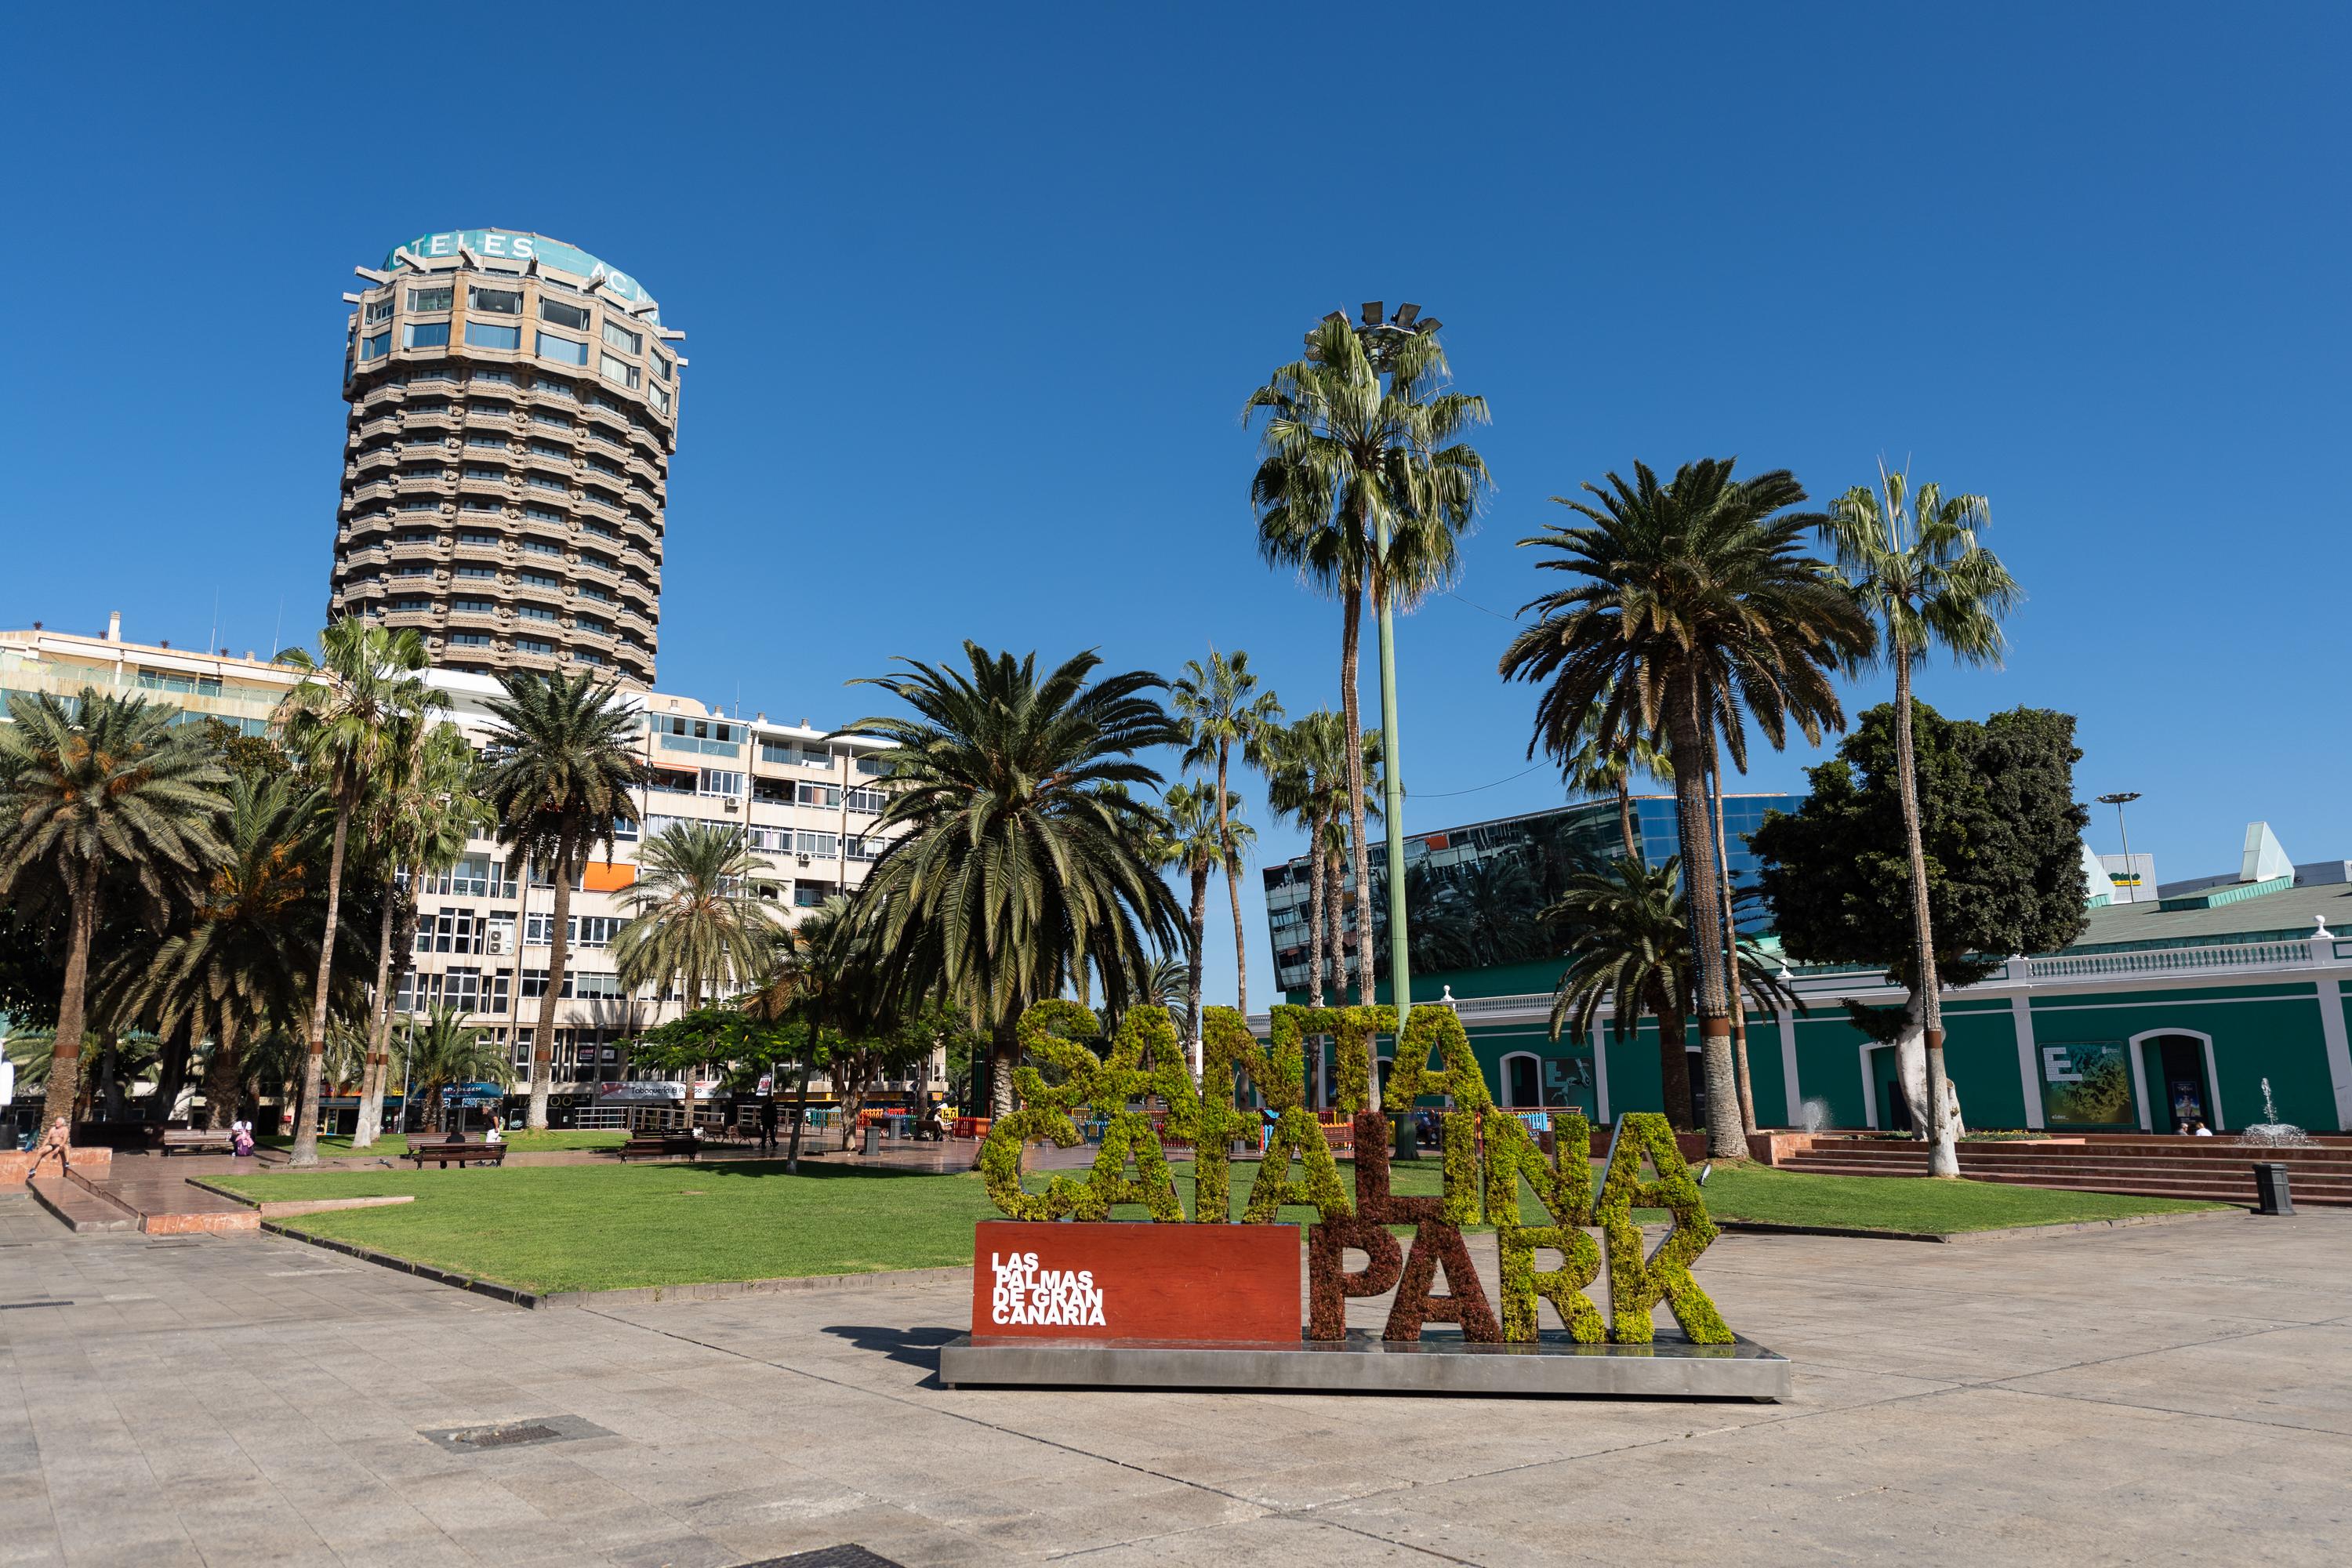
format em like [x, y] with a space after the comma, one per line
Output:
[2271, 1195]
[872, 1141]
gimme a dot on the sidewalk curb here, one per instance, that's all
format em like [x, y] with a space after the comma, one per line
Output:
[710, 1290]
[2006, 1233]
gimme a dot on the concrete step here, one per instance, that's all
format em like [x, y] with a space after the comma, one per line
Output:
[2195, 1170]
[2215, 1188]
[2223, 1150]
[78, 1208]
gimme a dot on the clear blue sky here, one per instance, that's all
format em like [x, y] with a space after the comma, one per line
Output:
[973, 299]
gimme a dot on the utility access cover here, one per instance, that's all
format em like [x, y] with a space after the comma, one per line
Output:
[827, 1557]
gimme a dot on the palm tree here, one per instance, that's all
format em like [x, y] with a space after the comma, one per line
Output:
[1592, 771]
[104, 783]
[694, 918]
[421, 820]
[1195, 843]
[442, 1051]
[561, 765]
[1628, 948]
[1360, 490]
[1693, 607]
[343, 722]
[1309, 783]
[250, 952]
[1912, 559]
[1025, 857]
[1222, 710]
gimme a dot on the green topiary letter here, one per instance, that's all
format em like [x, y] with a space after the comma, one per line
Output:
[1635, 1284]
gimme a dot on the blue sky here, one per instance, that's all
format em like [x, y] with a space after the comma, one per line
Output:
[973, 299]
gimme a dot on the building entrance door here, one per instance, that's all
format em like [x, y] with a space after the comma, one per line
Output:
[2180, 1096]
[1523, 1090]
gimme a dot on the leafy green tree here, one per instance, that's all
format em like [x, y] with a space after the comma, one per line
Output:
[1024, 855]
[561, 765]
[104, 782]
[1222, 711]
[250, 956]
[1912, 557]
[1194, 842]
[694, 918]
[420, 822]
[343, 723]
[1365, 489]
[1691, 605]
[246, 756]
[2000, 835]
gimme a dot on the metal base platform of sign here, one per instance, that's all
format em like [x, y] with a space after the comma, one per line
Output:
[1439, 1362]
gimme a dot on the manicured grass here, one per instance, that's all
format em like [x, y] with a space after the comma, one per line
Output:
[602, 1227]
[394, 1145]
[608, 1227]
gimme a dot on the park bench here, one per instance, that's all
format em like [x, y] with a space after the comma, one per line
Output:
[646, 1145]
[463, 1153]
[194, 1142]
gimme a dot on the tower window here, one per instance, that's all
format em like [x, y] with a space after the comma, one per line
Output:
[429, 299]
[563, 315]
[495, 301]
[489, 335]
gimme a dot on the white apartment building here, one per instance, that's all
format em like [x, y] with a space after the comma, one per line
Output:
[805, 802]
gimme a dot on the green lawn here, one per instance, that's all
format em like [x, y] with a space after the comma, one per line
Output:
[601, 1227]
[394, 1145]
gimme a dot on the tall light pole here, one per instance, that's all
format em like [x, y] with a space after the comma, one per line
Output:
[2119, 800]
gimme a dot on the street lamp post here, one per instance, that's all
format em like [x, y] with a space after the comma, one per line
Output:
[2119, 800]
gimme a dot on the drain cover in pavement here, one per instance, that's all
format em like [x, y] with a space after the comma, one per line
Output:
[515, 1434]
[828, 1557]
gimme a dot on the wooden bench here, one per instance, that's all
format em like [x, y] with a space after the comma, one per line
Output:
[463, 1153]
[646, 1145]
[192, 1142]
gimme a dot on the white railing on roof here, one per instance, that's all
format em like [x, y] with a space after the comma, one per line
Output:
[2240, 956]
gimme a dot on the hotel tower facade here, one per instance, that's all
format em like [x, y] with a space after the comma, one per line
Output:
[514, 405]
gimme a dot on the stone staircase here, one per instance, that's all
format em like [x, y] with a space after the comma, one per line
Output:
[82, 1206]
[143, 1193]
[2219, 1169]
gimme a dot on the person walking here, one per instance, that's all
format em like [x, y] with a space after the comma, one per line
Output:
[768, 1125]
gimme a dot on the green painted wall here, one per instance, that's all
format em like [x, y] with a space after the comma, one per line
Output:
[2258, 1031]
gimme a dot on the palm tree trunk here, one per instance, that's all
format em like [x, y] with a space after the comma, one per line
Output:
[109, 1077]
[1351, 718]
[1731, 943]
[379, 1025]
[1686, 725]
[1233, 887]
[800, 1110]
[172, 1069]
[1322, 824]
[73, 1010]
[1335, 917]
[1673, 1063]
[559, 951]
[223, 1077]
[1004, 1055]
[306, 1128]
[1192, 967]
[1943, 1152]
[1625, 811]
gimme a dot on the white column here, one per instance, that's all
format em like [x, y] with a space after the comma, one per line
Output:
[1790, 1090]
[1600, 1075]
[2029, 1062]
[1869, 1089]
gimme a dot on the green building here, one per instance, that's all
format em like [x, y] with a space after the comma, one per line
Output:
[2221, 998]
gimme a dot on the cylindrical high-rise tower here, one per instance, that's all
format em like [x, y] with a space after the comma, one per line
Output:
[514, 405]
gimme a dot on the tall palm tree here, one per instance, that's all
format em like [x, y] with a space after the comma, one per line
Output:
[561, 764]
[1692, 605]
[104, 782]
[1592, 771]
[1912, 559]
[1193, 842]
[420, 821]
[1725, 937]
[343, 722]
[1309, 783]
[1025, 857]
[250, 952]
[1362, 489]
[1222, 711]
[694, 918]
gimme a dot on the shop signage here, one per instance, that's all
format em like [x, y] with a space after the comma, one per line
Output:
[1135, 1281]
[506, 244]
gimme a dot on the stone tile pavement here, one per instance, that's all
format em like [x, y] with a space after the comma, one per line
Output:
[2164, 1393]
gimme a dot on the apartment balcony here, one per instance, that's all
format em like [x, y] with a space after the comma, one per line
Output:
[369, 489]
[467, 551]
[477, 620]
[590, 571]
[541, 528]
[423, 550]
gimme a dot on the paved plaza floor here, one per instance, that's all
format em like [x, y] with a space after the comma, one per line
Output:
[2173, 1393]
